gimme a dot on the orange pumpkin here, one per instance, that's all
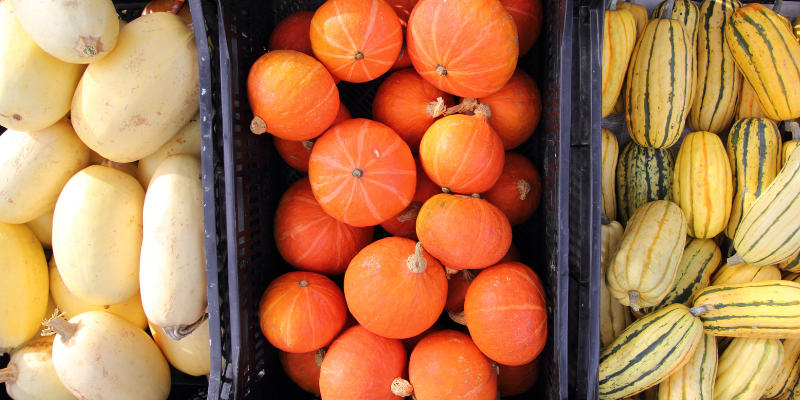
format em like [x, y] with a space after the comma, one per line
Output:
[412, 342]
[357, 40]
[462, 153]
[311, 240]
[518, 190]
[464, 47]
[362, 365]
[402, 104]
[457, 285]
[177, 7]
[505, 313]
[448, 365]
[362, 173]
[296, 154]
[292, 96]
[527, 16]
[515, 109]
[292, 33]
[515, 380]
[403, 10]
[303, 368]
[463, 232]
[302, 311]
[394, 288]
[404, 224]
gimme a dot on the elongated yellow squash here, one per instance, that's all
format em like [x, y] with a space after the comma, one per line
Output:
[684, 11]
[30, 374]
[743, 273]
[98, 224]
[34, 167]
[747, 106]
[190, 355]
[787, 375]
[702, 184]
[614, 317]
[696, 379]
[23, 286]
[187, 141]
[42, 227]
[769, 57]
[789, 146]
[792, 264]
[610, 235]
[642, 271]
[135, 100]
[610, 152]
[619, 37]
[639, 15]
[718, 80]
[747, 367]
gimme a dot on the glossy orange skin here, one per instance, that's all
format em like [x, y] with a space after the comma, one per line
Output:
[516, 109]
[448, 365]
[404, 224]
[381, 158]
[412, 342]
[302, 369]
[475, 41]
[362, 365]
[311, 240]
[292, 33]
[456, 292]
[403, 10]
[299, 319]
[506, 314]
[344, 30]
[295, 153]
[400, 104]
[505, 195]
[462, 153]
[463, 232]
[293, 93]
[515, 380]
[527, 16]
[386, 297]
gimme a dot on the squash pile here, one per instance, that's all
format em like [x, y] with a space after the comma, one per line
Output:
[100, 162]
[678, 320]
[436, 174]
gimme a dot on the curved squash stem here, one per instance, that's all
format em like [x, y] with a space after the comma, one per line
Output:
[777, 6]
[458, 317]
[667, 10]
[258, 126]
[60, 326]
[795, 128]
[402, 387]
[179, 332]
[736, 259]
[612, 5]
[416, 262]
[467, 275]
[436, 108]
[634, 298]
[604, 219]
[320, 355]
[467, 104]
[448, 272]
[308, 144]
[110, 164]
[411, 212]
[523, 187]
[484, 110]
[695, 311]
[9, 374]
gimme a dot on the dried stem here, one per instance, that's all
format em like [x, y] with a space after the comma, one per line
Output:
[701, 309]
[411, 212]
[666, 12]
[179, 332]
[60, 326]
[416, 262]
[795, 129]
[448, 272]
[467, 104]
[634, 298]
[458, 317]
[320, 355]
[436, 108]
[736, 259]
[523, 187]
[402, 387]
[258, 126]
[9, 374]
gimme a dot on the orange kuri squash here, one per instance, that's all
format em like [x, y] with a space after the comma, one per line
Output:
[457, 285]
[292, 33]
[518, 190]
[362, 173]
[513, 380]
[296, 154]
[303, 368]
[404, 224]
[403, 10]
[515, 109]
[527, 16]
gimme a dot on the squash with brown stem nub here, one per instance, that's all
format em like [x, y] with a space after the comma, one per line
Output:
[30, 374]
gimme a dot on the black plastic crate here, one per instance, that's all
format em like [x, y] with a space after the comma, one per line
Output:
[255, 177]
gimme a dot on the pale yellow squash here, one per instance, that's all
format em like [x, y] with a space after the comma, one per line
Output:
[135, 100]
[187, 141]
[128, 168]
[42, 227]
[97, 234]
[609, 155]
[190, 355]
[30, 374]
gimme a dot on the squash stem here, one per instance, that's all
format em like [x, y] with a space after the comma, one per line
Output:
[62, 327]
[9, 374]
[436, 109]
[736, 259]
[467, 104]
[604, 219]
[411, 212]
[308, 144]
[258, 126]
[402, 387]
[319, 356]
[467, 275]
[777, 6]
[666, 12]
[695, 311]
[795, 128]
[458, 317]
[634, 299]
[181, 331]
[448, 272]
[416, 262]
[612, 5]
[523, 187]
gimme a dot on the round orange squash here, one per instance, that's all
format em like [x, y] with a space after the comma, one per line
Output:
[412, 342]
[357, 40]
[517, 379]
[465, 47]
[448, 365]
[311, 240]
[527, 15]
[403, 10]
[292, 96]
[511, 255]
[394, 288]
[402, 104]
[518, 190]
[296, 154]
[292, 33]
[303, 368]
[463, 232]
[404, 224]
[362, 365]
[505, 313]
[302, 311]
[462, 153]
[457, 285]
[516, 109]
[362, 173]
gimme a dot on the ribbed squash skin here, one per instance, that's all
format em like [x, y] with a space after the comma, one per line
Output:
[610, 152]
[700, 259]
[767, 309]
[718, 80]
[614, 317]
[644, 174]
[792, 264]
[696, 379]
[786, 151]
[770, 230]
[769, 57]
[648, 256]
[684, 11]
[656, 117]
[639, 16]
[619, 37]
[746, 367]
[743, 273]
[610, 235]
[648, 351]
[747, 105]
[753, 150]
[786, 379]
[702, 184]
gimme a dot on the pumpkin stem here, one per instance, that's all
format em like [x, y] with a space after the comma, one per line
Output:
[87, 46]
[446, 189]
[308, 144]
[258, 126]
[303, 283]
[795, 128]
[777, 6]
[475, 195]
[9, 374]
[416, 262]
[666, 12]
[359, 56]
[612, 5]
[436, 108]
[441, 71]
[695, 311]
[448, 272]
[458, 317]
[320, 355]
[110, 164]
[358, 173]
[60, 326]
[604, 219]
[467, 275]
[736, 259]
[411, 212]
[523, 187]
[634, 298]
[402, 387]
[483, 109]
[467, 104]
[181, 331]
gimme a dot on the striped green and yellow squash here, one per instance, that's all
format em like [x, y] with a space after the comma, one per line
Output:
[639, 15]
[769, 57]
[770, 230]
[743, 273]
[702, 184]
[660, 85]
[746, 367]
[792, 264]
[648, 351]
[614, 317]
[789, 146]
[609, 154]
[719, 82]
[684, 11]
[699, 261]
[754, 145]
[643, 269]
[619, 37]
[766, 309]
[644, 174]
[696, 379]
[787, 376]
[747, 106]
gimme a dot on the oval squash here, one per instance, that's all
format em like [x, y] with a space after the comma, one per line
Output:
[516, 108]
[609, 155]
[786, 380]
[684, 11]
[190, 355]
[695, 380]
[297, 154]
[743, 273]
[747, 367]
[187, 141]
[614, 317]
[303, 368]
[619, 38]
[644, 174]
[42, 227]
[747, 106]
[30, 374]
